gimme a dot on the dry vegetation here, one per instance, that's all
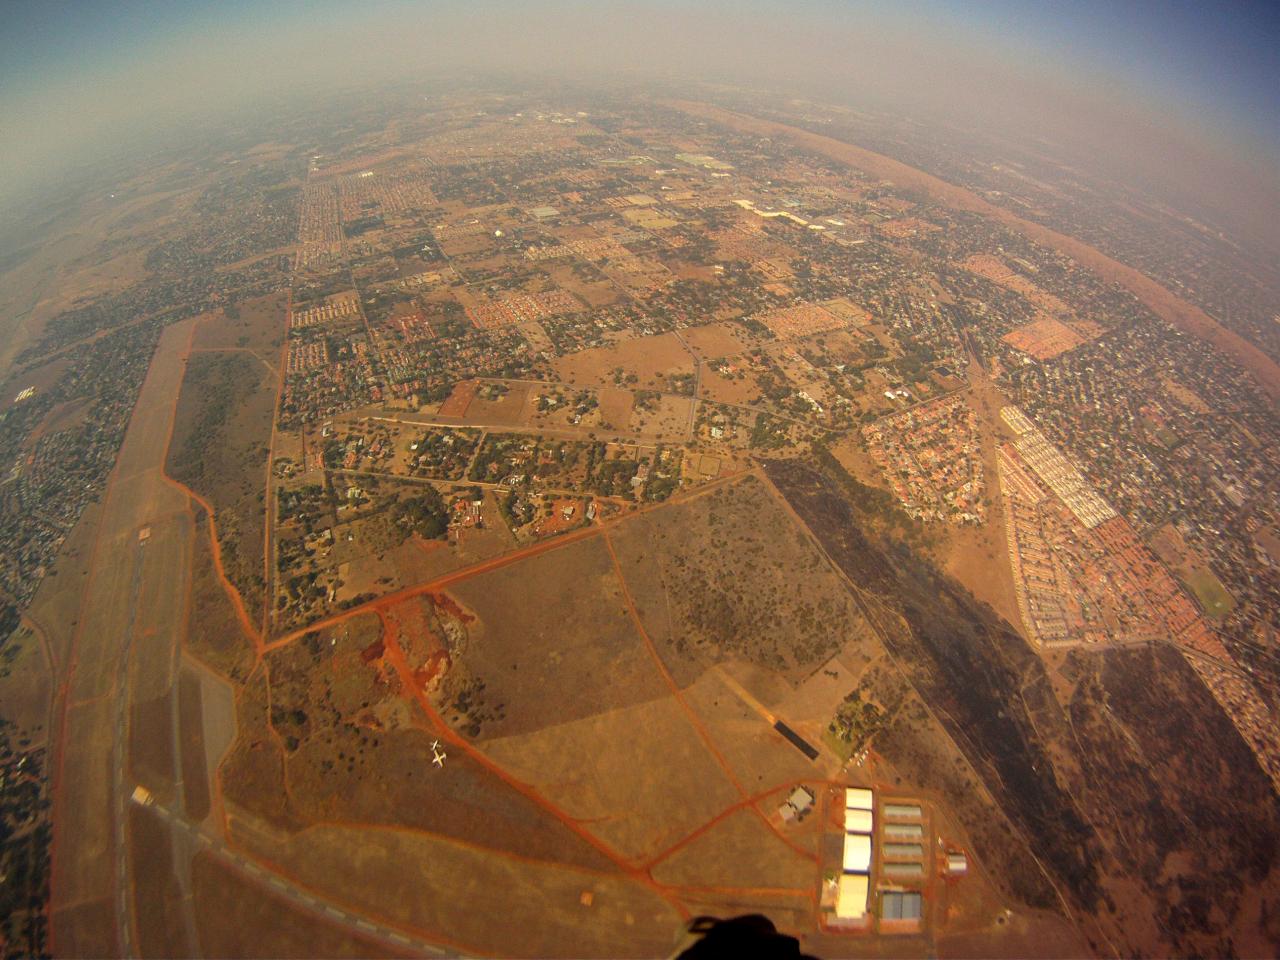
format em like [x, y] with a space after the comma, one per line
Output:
[728, 575]
[219, 449]
[1156, 826]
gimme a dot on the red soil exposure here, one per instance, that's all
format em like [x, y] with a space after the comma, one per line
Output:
[458, 401]
[448, 605]
[429, 673]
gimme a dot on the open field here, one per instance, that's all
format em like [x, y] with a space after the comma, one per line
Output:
[214, 634]
[638, 776]
[1192, 569]
[738, 852]
[354, 749]
[450, 892]
[235, 918]
[1213, 596]
[556, 622]
[715, 578]
[644, 362]
[256, 326]
[158, 896]
[192, 758]
[26, 685]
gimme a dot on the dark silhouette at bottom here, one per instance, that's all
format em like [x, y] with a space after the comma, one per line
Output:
[747, 937]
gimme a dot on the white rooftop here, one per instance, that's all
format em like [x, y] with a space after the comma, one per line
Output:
[857, 798]
[851, 896]
[857, 853]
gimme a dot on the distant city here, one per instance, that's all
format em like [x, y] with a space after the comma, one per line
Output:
[899, 516]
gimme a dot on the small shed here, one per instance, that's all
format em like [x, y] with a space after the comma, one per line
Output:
[802, 799]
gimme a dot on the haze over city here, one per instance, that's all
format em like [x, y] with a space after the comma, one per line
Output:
[640, 479]
[1182, 93]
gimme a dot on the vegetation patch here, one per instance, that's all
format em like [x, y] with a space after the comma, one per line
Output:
[221, 432]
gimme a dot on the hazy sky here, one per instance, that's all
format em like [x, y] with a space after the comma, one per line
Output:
[77, 75]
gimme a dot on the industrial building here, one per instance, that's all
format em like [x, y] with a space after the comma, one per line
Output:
[903, 851]
[797, 805]
[900, 905]
[902, 811]
[903, 871]
[851, 898]
[857, 853]
[858, 821]
[855, 879]
[857, 798]
[904, 831]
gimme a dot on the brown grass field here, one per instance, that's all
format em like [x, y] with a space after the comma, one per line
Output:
[451, 892]
[213, 634]
[26, 688]
[258, 327]
[739, 851]
[639, 776]
[650, 359]
[716, 578]
[191, 747]
[552, 623]
[235, 918]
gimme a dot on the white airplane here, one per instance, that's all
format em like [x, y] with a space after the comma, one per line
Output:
[437, 755]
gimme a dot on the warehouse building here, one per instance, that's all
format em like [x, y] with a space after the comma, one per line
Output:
[902, 811]
[903, 871]
[858, 821]
[903, 851]
[901, 905]
[854, 885]
[858, 798]
[851, 897]
[904, 831]
[857, 853]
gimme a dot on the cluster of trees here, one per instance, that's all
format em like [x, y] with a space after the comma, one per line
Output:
[424, 514]
[856, 721]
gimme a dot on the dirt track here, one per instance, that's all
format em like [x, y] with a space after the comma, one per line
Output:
[1166, 305]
